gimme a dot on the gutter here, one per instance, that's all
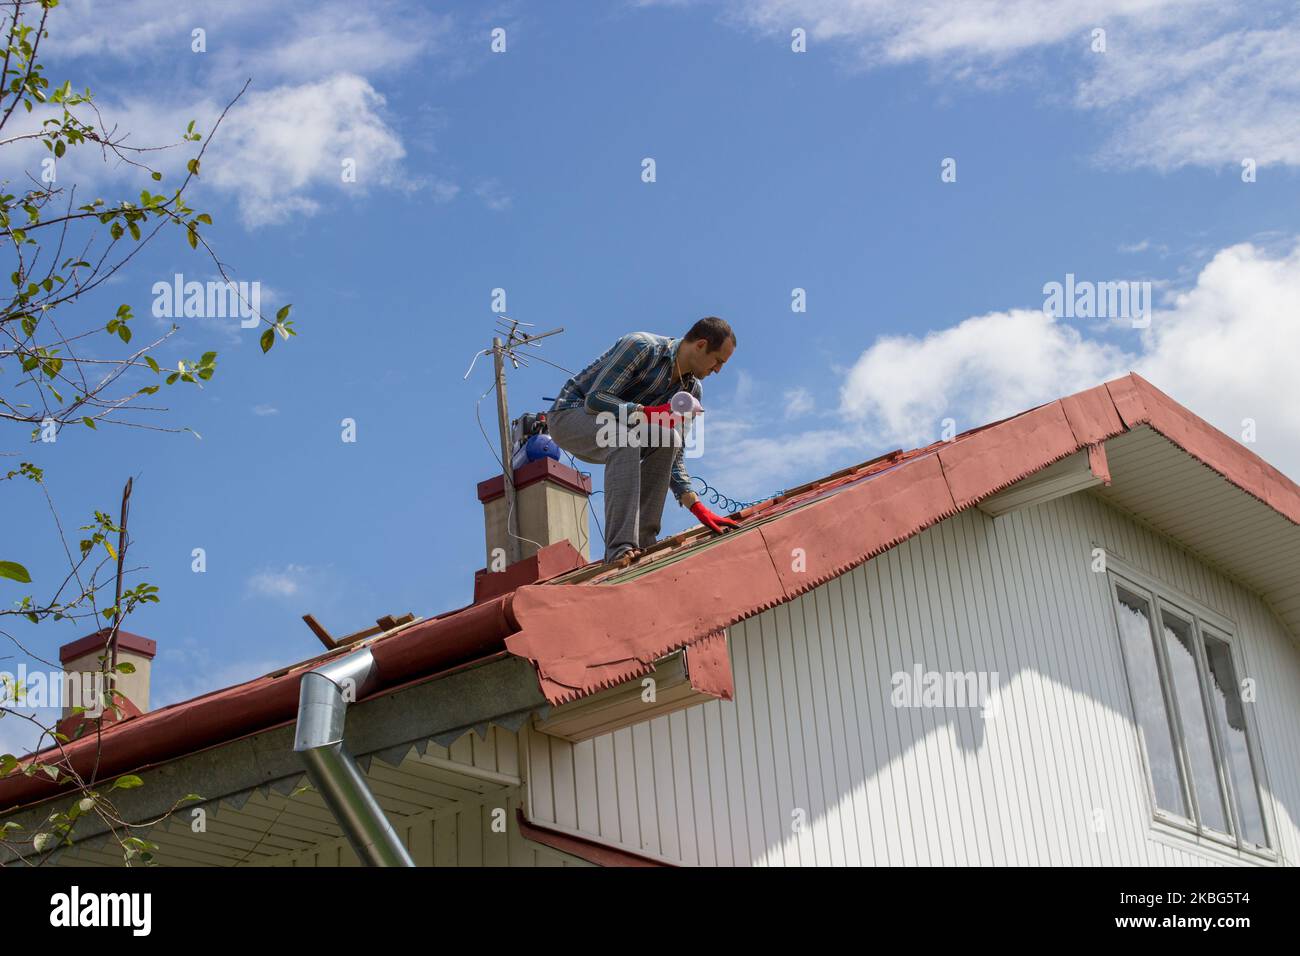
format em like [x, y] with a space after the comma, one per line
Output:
[416, 652]
[323, 697]
[598, 853]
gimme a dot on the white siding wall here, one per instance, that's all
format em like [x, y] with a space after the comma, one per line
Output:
[812, 728]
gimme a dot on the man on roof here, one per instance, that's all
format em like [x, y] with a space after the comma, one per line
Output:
[632, 385]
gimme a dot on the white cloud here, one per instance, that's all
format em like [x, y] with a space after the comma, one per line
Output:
[286, 582]
[1181, 82]
[279, 152]
[798, 401]
[370, 37]
[443, 190]
[263, 410]
[745, 391]
[188, 668]
[281, 148]
[314, 102]
[128, 29]
[305, 40]
[1179, 98]
[749, 462]
[897, 32]
[1225, 348]
[493, 195]
[983, 369]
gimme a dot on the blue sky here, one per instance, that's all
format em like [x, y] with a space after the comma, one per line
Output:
[775, 170]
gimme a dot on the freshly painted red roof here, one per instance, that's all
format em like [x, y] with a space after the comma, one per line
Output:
[585, 639]
[587, 630]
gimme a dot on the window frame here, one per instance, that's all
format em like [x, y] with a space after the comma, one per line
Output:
[1160, 598]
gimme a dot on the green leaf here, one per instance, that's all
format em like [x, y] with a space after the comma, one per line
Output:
[156, 175]
[126, 667]
[14, 572]
[89, 422]
[268, 339]
[148, 360]
[193, 237]
[283, 313]
[127, 782]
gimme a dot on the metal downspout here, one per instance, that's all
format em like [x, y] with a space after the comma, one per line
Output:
[323, 697]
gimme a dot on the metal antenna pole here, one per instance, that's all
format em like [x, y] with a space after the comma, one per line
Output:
[503, 421]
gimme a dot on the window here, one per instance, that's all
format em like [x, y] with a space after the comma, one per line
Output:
[1190, 714]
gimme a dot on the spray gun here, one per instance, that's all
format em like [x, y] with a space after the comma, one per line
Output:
[678, 410]
[684, 403]
[680, 407]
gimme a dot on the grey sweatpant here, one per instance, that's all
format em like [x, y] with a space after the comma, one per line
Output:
[636, 479]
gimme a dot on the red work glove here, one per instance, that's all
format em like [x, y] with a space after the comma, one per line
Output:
[713, 522]
[662, 415]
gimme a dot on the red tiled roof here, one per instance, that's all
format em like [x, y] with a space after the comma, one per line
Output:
[589, 629]
[585, 639]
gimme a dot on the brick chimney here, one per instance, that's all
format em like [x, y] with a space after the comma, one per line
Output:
[81, 663]
[552, 503]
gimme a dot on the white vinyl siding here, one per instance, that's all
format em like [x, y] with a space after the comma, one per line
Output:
[1054, 775]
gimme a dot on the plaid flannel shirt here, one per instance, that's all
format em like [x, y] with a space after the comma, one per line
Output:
[637, 370]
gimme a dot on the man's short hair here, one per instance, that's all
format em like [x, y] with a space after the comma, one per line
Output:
[713, 330]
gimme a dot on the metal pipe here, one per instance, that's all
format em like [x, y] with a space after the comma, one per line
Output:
[323, 697]
[513, 551]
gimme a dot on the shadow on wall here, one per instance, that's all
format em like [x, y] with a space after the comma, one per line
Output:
[828, 755]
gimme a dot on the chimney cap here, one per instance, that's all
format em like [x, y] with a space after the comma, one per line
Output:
[91, 642]
[541, 469]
